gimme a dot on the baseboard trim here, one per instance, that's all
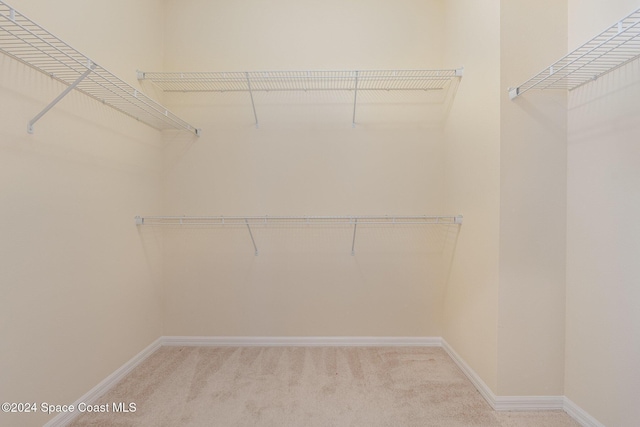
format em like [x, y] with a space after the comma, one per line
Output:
[521, 403]
[579, 414]
[92, 395]
[204, 341]
[475, 379]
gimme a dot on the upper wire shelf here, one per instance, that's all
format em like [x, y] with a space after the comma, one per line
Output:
[279, 81]
[273, 81]
[29, 43]
[609, 50]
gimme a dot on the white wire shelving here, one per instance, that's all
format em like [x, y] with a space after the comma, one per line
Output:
[265, 221]
[29, 43]
[281, 81]
[609, 50]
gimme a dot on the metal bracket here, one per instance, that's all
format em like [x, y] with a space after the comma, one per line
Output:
[355, 101]
[255, 248]
[139, 220]
[353, 242]
[514, 92]
[458, 219]
[459, 72]
[90, 67]
[253, 105]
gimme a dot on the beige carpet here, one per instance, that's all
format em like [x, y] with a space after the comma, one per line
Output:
[305, 386]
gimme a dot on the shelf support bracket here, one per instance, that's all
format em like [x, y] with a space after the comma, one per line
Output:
[353, 242]
[514, 92]
[90, 67]
[255, 248]
[355, 101]
[253, 105]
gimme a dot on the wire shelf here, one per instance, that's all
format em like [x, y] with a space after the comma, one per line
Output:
[299, 221]
[274, 81]
[294, 220]
[289, 81]
[29, 43]
[609, 50]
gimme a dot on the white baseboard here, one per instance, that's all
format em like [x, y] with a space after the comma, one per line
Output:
[302, 341]
[475, 379]
[579, 414]
[92, 395]
[521, 403]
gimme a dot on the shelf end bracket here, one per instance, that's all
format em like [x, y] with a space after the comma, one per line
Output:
[514, 92]
[90, 67]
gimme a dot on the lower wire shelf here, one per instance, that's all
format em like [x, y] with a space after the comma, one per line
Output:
[262, 221]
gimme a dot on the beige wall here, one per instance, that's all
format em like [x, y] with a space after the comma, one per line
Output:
[603, 344]
[532, 203]
[504, 307]
[472, 184]
[305, 159]
[316, 34]
[78, 299]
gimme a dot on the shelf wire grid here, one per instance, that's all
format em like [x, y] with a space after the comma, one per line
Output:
[295, 220]
[611, 49]
[278, 81]
[29, 43]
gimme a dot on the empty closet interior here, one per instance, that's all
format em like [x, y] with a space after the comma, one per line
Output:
[323, 169]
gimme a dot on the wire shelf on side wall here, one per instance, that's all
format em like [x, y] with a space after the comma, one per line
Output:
[29, 43]
[609, 50]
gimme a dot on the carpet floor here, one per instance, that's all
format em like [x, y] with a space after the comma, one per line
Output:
[307, 387]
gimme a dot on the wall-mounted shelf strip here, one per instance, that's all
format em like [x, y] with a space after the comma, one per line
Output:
[283, 81]
[29, 43]
[265, 221]
[609, 50]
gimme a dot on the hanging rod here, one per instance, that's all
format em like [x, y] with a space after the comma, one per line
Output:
[287, 81]
[609, 50]
[249, 221]
[29, 43]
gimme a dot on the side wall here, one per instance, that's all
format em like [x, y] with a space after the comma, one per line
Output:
[603, 241]
[472, 185]
[532, 203]
[78, 297]
[306, 159]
